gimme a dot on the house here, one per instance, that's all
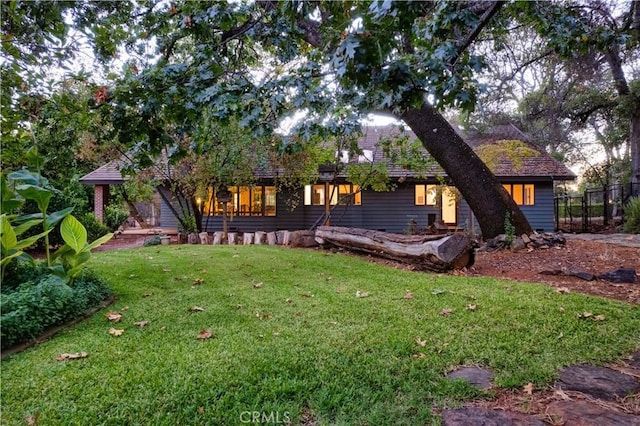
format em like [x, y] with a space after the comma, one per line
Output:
[415, 202]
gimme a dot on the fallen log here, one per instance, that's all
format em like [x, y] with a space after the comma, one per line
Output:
[438, 253]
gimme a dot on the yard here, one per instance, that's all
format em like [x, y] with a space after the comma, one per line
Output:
[233, 334]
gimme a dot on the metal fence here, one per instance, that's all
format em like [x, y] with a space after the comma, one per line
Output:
[596, 209]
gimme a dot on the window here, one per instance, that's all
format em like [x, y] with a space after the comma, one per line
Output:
[245, 201]
[344, 194]
[522, 194]
[425, 195]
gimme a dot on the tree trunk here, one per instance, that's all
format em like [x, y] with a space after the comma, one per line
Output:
[486, 196]
[634, 142]
[433, 253]
[133, 210]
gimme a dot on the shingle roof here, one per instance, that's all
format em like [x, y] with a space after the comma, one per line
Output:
[534, 167]
[108, 174]
[541, 165]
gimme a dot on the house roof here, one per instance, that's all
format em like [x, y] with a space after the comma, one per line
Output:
[108, 174]
[538, 166]
[534, 167]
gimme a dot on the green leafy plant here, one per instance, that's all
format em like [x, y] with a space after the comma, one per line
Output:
[46, 300]
[32, 186]
[76, 251]
[509, 229]
[114, 216]
[11, 247]
[632, 216]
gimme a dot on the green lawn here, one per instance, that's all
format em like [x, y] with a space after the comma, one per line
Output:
[290, 338]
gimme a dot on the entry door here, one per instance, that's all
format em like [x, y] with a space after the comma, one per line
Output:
[449, 206]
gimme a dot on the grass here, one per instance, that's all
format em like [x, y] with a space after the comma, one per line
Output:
[300, 344]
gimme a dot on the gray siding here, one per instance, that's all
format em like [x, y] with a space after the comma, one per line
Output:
[389, 211]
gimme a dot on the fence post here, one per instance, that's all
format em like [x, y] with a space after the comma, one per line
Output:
[585, 211]
[605, 203]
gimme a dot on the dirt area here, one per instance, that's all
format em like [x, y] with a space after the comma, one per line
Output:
[587, 256]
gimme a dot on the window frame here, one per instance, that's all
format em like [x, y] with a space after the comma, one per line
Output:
[524, 194]
[339, 196]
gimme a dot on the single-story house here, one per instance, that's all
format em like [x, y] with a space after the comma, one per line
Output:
[415, 201]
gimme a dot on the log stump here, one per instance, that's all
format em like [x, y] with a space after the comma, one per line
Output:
[438, 253]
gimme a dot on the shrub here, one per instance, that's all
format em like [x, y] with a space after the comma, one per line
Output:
[114, 216]
[632, 216]
[47, 301]
[94, 228]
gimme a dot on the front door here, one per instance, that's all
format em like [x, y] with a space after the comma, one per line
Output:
[449, 205]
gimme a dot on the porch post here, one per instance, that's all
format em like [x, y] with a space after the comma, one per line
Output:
[100, 200]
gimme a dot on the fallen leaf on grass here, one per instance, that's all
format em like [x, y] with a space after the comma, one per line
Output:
[563, 290]
[585, 315]
[438, 291]
[420, 342]
[200, 410]
[147, 294]
[166, 270]
[472, 307]
[196, 309]
[258, 285]
[361, 294]
[528, 388]
[445, 312]
[419, 355]
[263, 316]
[204, 334]
[306, 294]
[408, 295]
[32, 420]
[113, 316]
[115, 332]
[598, 318]
[288, 301]
[125, 308]
[198, 281]
[141, 323]
[76, 355]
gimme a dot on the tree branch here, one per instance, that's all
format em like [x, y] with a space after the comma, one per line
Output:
[484, 20]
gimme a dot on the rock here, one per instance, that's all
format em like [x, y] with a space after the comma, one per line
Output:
[582, 275]
[303, 239]
[620, 275]
[599, 382]
[476, 376]
[473, 416]
[525, 238]
[585, 413]
[518, 245]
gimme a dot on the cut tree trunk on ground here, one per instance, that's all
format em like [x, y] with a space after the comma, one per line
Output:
[438, 253]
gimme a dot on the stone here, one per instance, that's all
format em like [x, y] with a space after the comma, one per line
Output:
[620, 275]
[476, 376]
[303, 239]
[586, 413]
[525, 238]
[474, 416]
[599, 382]
[582, 275]
[518, 244]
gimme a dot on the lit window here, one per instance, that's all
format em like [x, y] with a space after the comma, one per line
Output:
[522, 194]
[344, 194]
[425, 195]
[245, 201]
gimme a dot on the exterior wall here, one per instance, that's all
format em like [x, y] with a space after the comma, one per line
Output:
[386, 211]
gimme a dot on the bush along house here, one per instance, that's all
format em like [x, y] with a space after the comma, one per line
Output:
[415, 202]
